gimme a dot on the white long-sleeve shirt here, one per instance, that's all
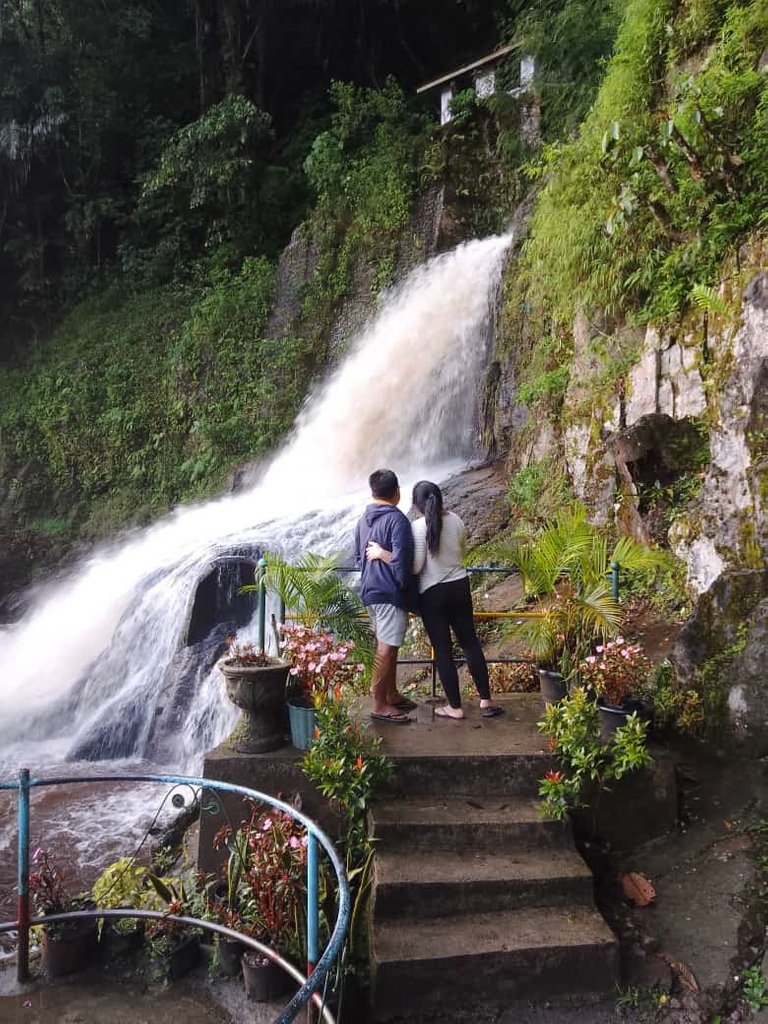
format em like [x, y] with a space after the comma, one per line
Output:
[447, 564]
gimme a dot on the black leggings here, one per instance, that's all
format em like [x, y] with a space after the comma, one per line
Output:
[447, 605]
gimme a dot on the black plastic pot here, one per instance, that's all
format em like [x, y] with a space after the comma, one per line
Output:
[68, 948]
[610, 717]
[121, 941]
[552, 685]
[228, 954]
[264, 981]
[177, 960]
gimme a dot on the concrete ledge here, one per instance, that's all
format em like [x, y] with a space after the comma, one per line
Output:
[641, 806]
[277, 773]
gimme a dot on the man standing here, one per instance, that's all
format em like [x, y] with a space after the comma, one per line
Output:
[382, 588]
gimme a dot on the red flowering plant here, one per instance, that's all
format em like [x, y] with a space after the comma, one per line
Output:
[616, 671]
[274, 884]
[318, 662]
[265, 878]
[47, 887]
[347, 766]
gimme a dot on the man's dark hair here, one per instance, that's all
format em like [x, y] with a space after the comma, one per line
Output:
[384, 484]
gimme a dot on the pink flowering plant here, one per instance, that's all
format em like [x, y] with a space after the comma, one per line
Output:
[318, 662]
[616, 670]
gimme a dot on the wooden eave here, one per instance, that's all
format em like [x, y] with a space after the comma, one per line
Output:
[496, 55]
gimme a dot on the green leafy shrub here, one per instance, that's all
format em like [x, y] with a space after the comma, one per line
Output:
[346, 764]
[583, 759]
[662, 182]
[141, 400]
[539, 491]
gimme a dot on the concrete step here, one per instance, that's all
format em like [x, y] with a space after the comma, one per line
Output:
[466, 822]
[448, 883]
[491, 775]
[489, 961]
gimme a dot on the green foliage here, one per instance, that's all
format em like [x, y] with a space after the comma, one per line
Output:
[548, 384]
[583, 759]
[662, 585]
[672, 707]
[570, 42]
[545, 373]
[364, 170]
[754, 988]
[539, 491]
[204, 193]
[365, 164]
[142, 400]
[316, 592]
[711, 684]
[567, 564]
[122, 884]
[661, 183]
[708, 300]
[346, 764]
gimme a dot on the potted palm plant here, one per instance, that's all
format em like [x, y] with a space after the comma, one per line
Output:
[566, 569]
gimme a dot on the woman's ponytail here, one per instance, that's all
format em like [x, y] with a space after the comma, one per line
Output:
[428, 499]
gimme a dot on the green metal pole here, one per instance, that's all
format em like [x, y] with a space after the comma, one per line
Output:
[615, 580]
[261, 567]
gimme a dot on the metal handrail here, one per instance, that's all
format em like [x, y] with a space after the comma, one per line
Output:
[614, 573]
[317, 969]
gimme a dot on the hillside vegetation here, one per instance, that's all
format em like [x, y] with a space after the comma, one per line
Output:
[146, 211]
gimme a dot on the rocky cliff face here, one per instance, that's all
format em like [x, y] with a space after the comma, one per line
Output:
[665, 432]
[638, 405]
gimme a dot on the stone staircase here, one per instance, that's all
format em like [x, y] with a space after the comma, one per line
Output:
[479, 904]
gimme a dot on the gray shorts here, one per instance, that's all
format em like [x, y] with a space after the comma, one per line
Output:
[389, 623]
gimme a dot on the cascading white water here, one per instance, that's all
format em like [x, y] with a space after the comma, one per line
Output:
[96, 648]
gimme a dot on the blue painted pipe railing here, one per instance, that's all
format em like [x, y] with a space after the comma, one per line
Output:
[317, 968]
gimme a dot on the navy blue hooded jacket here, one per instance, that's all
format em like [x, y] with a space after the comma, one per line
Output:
[381, 583]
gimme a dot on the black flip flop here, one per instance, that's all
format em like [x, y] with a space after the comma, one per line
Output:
[394, 719]
[406, 704]
[492, 711]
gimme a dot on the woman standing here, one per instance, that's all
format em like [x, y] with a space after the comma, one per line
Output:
[440, 539]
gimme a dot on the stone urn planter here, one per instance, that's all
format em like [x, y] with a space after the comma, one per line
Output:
[259, 692]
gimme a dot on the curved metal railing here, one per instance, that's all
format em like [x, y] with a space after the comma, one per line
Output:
[317, 968]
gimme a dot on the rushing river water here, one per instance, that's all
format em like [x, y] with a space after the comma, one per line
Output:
[89, 667]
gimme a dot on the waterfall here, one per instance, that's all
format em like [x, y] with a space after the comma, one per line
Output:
[87, 668]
